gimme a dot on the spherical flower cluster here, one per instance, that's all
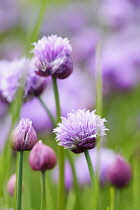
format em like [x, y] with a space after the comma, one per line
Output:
[23, 137]
[12, 75]
[52, 56]
[80, 130]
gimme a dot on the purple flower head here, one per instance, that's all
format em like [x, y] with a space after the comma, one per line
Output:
[10, 79]
[42, 157]
[23, 137]
[119, 173]
[52, 56]
[79, 130]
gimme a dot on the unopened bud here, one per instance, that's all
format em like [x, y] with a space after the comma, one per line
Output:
[42, 157]
[119, 173]
[23, 137]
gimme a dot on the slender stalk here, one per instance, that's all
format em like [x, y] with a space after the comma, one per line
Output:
[61, 155]
[136, 183]
[47, 110]
[19, 182]
[94, 184]
[34, 28]
[112, 198]
[99, 108]
[118, 198]
[57, 102]
[43, 191]
[75, 180]
[98, 77]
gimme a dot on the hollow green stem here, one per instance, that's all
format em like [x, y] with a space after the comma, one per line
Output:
[112, 198]
[118, 199]
[43, 191]
[136, 182]
[57, 102]
[98, 81]
[19, 182]
[75, 180]
[33, 32]
[47, 110]
[61, 155]
[94, 184]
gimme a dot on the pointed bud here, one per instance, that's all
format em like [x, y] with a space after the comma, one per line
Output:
[23, 137]
[119, 173]
[11, 184]
[42, 157]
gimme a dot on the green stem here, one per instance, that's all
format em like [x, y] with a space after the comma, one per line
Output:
[19, 182]
[112, 198]
[94, 184]
[75, 180]
[47, 110]
[61, 155]
[98, 81]
[136, 183]
[43, 191]
[57, 102]
[118, 198]
[33, 31]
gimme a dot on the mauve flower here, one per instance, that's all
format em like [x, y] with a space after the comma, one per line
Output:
[52, 56]
[79, 130]
[42, 157]
[14, 72]
[119, 173]
[23, 137]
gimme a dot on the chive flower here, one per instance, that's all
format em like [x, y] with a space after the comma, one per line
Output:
[79, 131]
[52, 55]
[23, 137]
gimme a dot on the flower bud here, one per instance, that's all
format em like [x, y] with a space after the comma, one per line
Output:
[119, 173]
[42, 157]
[11, 184]
[23, 137]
